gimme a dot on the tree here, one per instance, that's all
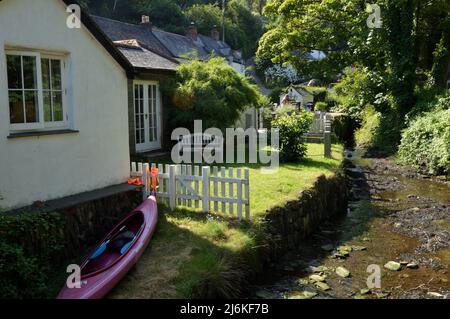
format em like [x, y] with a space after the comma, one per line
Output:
[211, 91]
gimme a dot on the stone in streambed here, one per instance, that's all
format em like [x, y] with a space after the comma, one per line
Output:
[432, 294]
[316, 278]
[393, 265]
[359, 248]
[412, 266]
[323, 286]
[342, 272]
[364, 291]
[302, 295]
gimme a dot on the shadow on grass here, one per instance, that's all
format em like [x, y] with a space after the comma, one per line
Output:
[192, 255]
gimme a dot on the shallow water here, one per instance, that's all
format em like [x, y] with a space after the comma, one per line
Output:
[380, 226]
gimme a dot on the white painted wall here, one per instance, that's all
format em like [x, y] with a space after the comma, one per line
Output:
[49, 167]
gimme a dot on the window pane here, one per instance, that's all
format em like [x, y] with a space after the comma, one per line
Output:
[47, 107]
[14, 71]
[45, 65]
[16, 107]
[31, 107]
[57, 107]
[56, 74]
[29, 72]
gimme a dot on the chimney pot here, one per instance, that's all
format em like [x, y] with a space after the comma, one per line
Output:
[145, 20]
[192, 31]
[215, 34]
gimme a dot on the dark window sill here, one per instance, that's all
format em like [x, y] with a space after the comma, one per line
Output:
[41, 133]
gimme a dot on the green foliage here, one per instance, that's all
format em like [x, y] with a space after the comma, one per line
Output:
[285, 109]
[291, 129]
[321, 106]
[274, 95]
[425, 143]
[211, 91]
[379, 132]
[366, 134]
[358, 89]
[30, 243]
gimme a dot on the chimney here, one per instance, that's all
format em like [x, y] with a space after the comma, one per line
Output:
[145, 21]
[192, 31]
[215, 34]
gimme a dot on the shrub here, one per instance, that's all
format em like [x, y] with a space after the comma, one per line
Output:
[292, 128]
[365, 136]
[285, 109]
[212, 91]
[425, 143]
[29, 245]
[321, 106]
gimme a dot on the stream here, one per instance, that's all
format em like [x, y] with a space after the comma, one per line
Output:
[398, 221]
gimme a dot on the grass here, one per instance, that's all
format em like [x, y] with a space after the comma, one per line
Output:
[193, 254]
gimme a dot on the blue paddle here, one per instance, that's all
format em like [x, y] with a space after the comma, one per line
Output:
[100, 250]
[126, 247]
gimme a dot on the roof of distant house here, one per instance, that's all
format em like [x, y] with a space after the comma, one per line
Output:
[165, 43]
[141, 57]
[118, 31]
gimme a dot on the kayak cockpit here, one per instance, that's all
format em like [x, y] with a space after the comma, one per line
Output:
[115, 245]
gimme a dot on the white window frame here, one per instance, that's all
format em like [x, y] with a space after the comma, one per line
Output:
[41, 125]
[64, 123]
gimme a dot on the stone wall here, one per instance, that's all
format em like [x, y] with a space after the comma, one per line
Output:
[87, 223]
[298, 219]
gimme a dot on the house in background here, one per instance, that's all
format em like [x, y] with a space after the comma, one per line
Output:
[169, 49]
[297, 95]
[63, 124]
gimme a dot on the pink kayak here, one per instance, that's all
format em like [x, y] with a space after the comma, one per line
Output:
[116, 254]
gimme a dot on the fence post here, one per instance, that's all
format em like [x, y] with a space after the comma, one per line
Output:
[205, 187]
[145, 177]
[172, 189]
[327, 138]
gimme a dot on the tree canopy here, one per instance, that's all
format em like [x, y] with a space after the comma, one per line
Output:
[211, 91]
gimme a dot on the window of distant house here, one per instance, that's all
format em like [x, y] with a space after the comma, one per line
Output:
[35, 90]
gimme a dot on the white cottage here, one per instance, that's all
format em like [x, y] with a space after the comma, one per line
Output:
[63, 105]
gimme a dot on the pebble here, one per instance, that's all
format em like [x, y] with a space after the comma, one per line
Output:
[342, 272]
[412, 266]
[393, 265]
[316, 278]
[322, 286]
[302, 295]
[434, 294]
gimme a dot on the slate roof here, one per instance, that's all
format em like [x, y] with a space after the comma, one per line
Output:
[179, 45]
[165, 43]
[117, 31]
[141, 57]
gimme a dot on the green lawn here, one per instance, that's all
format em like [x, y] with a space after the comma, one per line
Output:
[191, 249]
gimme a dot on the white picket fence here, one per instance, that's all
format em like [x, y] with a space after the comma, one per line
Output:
[215, 189]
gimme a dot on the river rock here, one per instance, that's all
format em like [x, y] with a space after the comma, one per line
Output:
[434, 294]
[412, 266]
[342, 272]
[316, 278]
[322, 286]
[359, 248]
[364, 291]
[318, 269]
[302, 295]
[393, 265]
